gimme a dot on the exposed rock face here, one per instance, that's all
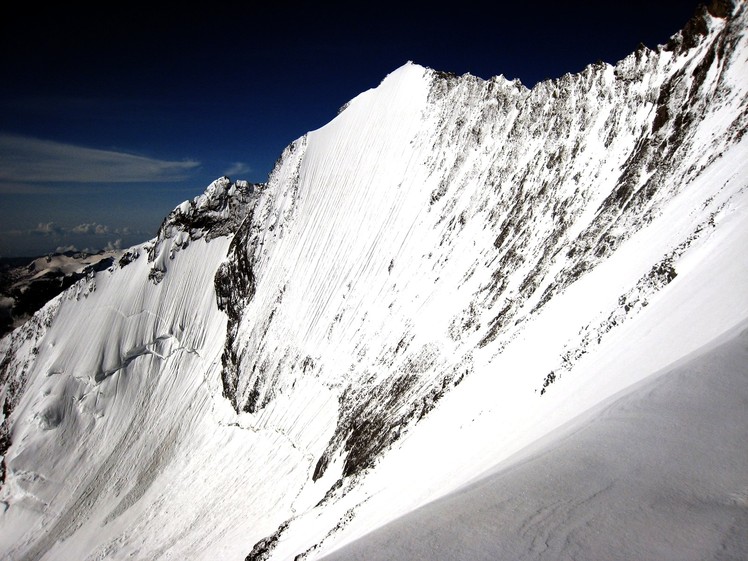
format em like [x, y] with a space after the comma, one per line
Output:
[217, 212]
[721, 8]
[248, 386]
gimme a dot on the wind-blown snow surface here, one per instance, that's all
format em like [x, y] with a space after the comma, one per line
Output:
[444, 274]
[655, 473]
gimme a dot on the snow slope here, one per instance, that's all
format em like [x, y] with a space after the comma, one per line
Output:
[443, 275]
[653, 473]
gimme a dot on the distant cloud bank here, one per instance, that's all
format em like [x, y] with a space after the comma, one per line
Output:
[92, 228]
[88, 237]
[31, 160]
[53, 230]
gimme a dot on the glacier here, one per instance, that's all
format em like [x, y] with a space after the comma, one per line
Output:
[451, 274]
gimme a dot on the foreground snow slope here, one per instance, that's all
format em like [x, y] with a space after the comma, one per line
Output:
[444, 274]
[653, 473]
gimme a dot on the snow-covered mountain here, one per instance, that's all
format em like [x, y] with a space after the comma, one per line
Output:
[444, 275]
[26, 285]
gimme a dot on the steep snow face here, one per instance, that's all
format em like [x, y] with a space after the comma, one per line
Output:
[443, 274]
[109, 391]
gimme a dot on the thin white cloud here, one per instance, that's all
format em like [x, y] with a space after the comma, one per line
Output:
[237, 168]
[92, 228]
[31, 160]
[53, 229]
[15, 188]
[47, 229]
[64, 248]
[113, 245]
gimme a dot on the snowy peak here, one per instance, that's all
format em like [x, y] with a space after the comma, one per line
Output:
[507, 197]
[217, 212]
[439, 277]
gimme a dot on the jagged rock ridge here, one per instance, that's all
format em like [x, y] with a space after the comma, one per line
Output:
[217, 212]
[558, 177]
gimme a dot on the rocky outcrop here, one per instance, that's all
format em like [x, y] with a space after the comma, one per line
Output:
[217, 212]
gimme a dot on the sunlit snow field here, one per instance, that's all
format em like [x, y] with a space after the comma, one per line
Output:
[488, 321]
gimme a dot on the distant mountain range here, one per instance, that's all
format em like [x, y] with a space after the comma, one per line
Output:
[27, 283]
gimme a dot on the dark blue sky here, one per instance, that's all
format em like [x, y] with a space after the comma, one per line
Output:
[111, 116]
